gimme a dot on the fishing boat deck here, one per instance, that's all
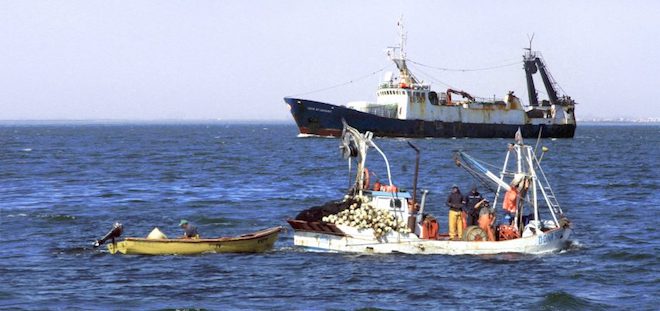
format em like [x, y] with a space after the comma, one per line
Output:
[315, 226]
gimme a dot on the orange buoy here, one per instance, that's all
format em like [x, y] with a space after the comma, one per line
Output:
[430, 228]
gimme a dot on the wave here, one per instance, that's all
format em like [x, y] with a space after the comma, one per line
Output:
[627, 256]
[313, 136]
[58, 217]
[17, 215]
[562, 300]
[214, 221]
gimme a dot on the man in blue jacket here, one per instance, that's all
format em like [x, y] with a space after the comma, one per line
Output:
[189, 231]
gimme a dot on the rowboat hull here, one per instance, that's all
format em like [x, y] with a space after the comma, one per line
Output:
[259, 241]
[353, 241]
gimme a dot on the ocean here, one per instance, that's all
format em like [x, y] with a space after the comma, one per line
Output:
[63, 185]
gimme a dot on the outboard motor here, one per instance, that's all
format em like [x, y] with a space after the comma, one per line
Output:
[115, 232]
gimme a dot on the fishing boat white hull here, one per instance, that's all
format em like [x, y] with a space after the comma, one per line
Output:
[385, 219]
[362, 241]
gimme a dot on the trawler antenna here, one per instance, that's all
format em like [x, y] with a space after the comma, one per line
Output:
[402, 39]
[530, 54]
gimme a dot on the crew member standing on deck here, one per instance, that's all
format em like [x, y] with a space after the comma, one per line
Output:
[455, 204]
[487, 219]
[510, 205]
[472, 207]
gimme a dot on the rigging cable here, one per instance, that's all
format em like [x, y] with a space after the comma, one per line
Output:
[466, 69]
[479, 177]
[430, 77]
[360, 78]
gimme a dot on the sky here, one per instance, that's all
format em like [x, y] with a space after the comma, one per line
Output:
[236, 60]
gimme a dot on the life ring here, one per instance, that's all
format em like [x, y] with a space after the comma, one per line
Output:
[365, 179]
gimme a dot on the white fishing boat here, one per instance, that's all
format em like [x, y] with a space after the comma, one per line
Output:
[384, 219]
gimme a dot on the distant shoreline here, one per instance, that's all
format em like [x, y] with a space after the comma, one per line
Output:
[244, 122]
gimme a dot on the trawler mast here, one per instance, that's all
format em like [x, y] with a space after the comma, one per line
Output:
[407, 79]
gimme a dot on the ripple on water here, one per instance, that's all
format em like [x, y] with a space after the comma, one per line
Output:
[561, 300]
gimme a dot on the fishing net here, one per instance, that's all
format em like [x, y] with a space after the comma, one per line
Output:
[317, 212]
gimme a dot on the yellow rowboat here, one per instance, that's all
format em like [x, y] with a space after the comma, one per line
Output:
[247, 243]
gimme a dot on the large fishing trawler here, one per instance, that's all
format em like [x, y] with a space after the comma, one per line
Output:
[407, 107]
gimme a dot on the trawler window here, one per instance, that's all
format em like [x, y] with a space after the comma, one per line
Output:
[395, 203]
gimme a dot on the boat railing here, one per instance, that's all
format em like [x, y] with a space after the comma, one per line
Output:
[393, 85]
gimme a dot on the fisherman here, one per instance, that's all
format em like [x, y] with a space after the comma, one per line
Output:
[472, 206]
[455, 203]
[189, 231]
[510, 204]
[487, 219]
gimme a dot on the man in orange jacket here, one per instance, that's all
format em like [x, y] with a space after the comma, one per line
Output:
[510, 203]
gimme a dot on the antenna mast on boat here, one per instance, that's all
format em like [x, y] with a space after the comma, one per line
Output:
[355, 145]
[403, 37]
[406, 77]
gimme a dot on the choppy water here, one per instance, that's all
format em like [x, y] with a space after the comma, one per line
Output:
[62, 186]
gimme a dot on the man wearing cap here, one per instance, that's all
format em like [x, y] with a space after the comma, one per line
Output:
[189, 231]
[473, 203]
[455, 203]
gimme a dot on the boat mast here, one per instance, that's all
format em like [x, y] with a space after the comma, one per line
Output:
[355, 145]
[532, 172]
[530, 69]
[499, 186]
[406, 77]
[519, 170]
[534, 63]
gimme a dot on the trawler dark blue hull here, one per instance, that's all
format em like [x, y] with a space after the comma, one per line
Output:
[316, 118]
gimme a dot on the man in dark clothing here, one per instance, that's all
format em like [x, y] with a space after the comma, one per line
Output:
[472, 207]
[455, 204]
[189, 231]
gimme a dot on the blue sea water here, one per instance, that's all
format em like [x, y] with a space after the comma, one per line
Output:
[63, 185]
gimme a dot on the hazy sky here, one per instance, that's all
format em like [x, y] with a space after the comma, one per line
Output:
[237, 59]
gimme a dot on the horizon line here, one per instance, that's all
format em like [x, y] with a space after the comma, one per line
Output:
[225, 121]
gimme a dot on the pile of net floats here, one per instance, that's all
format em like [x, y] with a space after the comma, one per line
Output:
[365, 216]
